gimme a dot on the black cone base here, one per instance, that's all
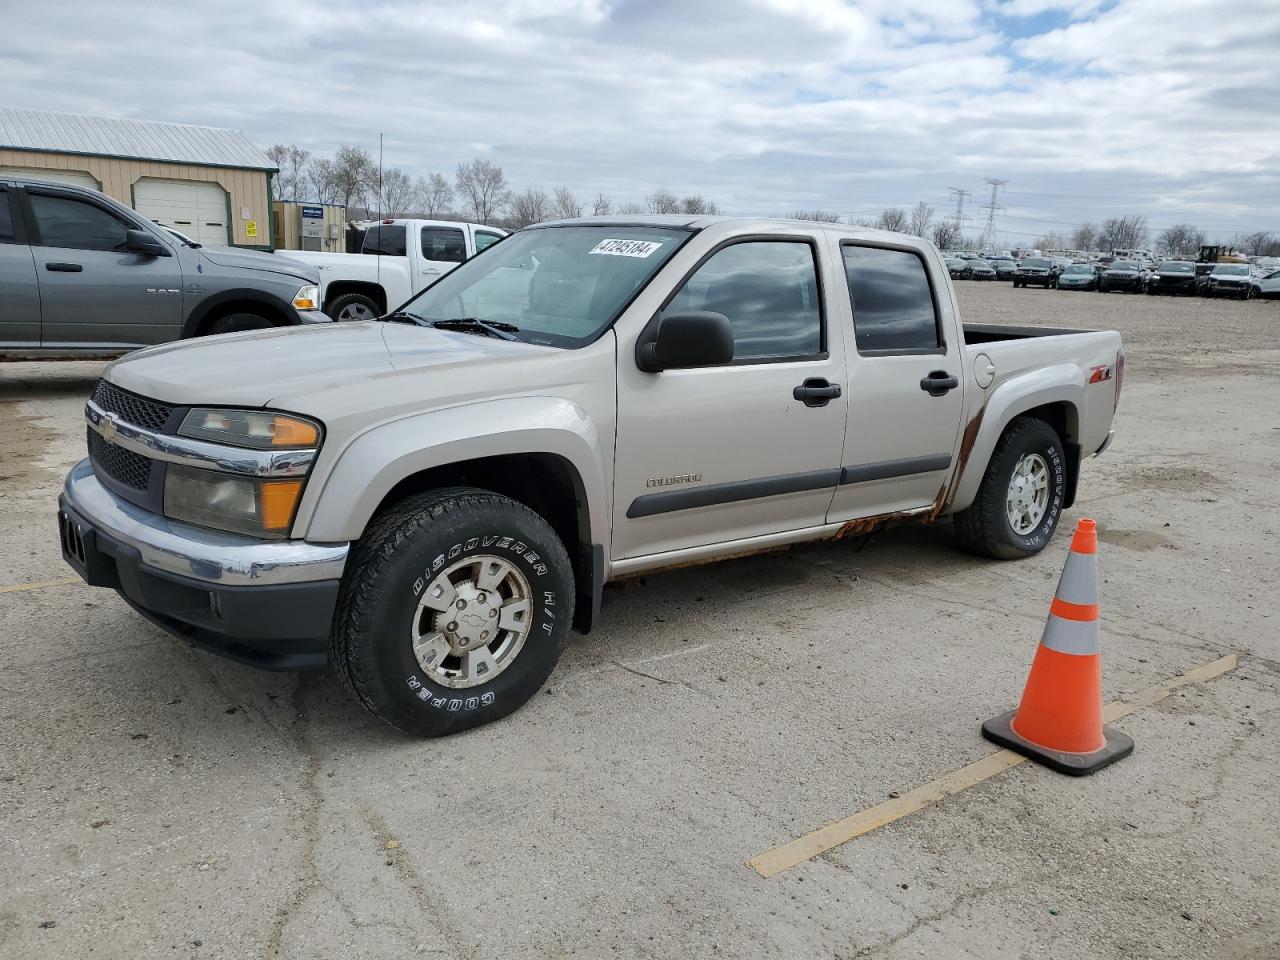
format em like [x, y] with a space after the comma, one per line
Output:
[998, 730]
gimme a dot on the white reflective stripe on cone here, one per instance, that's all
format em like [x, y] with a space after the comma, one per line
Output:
[1079, 580]
[1077, 637]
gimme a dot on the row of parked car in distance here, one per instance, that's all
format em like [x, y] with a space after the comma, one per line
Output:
[1175, 277]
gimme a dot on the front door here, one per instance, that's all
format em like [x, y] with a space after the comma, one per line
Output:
[904, 383]
[443, 248]
[94, 292]
[715, 454]
[19, 293]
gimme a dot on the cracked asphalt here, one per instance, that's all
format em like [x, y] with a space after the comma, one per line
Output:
[156, 801]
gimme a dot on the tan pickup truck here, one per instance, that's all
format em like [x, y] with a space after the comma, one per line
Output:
[430, 501]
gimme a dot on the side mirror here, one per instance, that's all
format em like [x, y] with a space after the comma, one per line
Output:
[139, 241]
[684, 340]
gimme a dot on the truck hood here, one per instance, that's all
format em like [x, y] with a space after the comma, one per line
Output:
[304, 368]
[259, 260]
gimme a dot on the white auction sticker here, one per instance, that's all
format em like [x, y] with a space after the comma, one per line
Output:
[626, 248]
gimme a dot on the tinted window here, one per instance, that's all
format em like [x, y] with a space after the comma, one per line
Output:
[67, 222]
[443, 243]
[1170, 266]
[6, 222]
[892, 300]
[387, 239]
[769, 292]
[1124, 265]
[1034, 262]
[485, 240]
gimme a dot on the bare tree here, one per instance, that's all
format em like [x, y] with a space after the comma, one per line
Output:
[697, 204]
[398, 195]
[662, 201]
[1256, 244]
[601, 206]
[1085, 237]
[1180, 239]
[1123, 233]
[921, 219]
[355, 175]
[290, 182]
[564, 206]
[529, 207]
[433, 194]
[815, 216]
[483, 186]
[322, 185]
[946, 235]
[871, 222]
[895, 219]
[631, 209]
[1053, 240]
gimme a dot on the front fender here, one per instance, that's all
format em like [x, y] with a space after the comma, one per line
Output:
[1063, 382]
[374, 461]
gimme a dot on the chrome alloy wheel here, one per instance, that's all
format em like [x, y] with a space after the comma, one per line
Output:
[1028, 495]
[355, 311]
[471, 621]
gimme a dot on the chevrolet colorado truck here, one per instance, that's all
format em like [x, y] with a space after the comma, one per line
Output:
[397, 258]
[82, 275]
[428, 502]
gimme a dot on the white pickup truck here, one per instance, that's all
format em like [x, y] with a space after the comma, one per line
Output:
[428, 501]
[399, 257]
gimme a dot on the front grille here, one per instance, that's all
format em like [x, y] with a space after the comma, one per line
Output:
[123, 466]
[131, 408]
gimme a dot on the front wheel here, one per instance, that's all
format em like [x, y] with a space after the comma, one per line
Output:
[353, 306]
[1020, 499]
[238, 323]
[454, 609]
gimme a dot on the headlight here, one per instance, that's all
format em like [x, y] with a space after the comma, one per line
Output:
[256, 429]
[307, 298]
[225, 501]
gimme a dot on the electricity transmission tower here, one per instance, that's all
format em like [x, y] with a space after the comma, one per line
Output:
[989, 231]
[958, 217]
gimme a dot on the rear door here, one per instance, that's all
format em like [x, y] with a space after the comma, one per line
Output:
[19, 291]
[905, 381]
[714, 454]
[94, 292]
[443, 248]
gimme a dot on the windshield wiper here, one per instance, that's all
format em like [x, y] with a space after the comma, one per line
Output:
[404, 316]
[493, 328]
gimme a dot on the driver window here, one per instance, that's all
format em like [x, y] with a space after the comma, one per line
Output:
[76, 224]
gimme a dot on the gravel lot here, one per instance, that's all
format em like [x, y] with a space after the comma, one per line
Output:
[156, 801]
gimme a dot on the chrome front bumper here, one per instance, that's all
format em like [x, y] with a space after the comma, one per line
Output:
[169, 547]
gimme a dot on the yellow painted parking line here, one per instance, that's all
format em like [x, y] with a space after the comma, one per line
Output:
[39, 585]
[772, 862]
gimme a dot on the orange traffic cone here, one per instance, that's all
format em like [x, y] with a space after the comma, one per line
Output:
[1059, 722]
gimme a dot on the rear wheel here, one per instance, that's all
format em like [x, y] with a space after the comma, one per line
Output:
[353, 306]
[1019, 502]
[454, 610]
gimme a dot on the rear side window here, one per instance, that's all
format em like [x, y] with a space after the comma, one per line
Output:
[445, 244]
[893, 306]
[768, 290]
[6, 217]
[387, 239]
[485, 240]
[76, 224]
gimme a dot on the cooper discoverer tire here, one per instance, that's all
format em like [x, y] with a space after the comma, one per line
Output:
[985, 527]
[415, 595]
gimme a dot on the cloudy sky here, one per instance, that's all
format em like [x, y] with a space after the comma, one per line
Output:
[1088, 108]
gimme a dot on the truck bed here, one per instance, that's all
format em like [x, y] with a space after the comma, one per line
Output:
[975, 333]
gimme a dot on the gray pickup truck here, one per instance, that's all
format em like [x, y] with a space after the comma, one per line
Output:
[429, 501]
[82, 276]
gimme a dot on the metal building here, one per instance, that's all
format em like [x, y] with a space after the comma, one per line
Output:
[211, 184]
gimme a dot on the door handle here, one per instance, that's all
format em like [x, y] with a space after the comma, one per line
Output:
[55, 267]
[816, 392]
[938, 383]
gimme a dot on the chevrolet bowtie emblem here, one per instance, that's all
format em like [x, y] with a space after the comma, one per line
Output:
[107, 427]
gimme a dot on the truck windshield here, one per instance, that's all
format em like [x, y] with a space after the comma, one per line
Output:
[560, 286]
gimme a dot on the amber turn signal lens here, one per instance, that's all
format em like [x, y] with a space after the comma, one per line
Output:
[279, 498]
[288, 432]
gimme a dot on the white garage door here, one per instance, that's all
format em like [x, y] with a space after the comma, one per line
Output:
[197, 209]
[76, 178]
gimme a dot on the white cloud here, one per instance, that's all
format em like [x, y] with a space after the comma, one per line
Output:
[1148, 105]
